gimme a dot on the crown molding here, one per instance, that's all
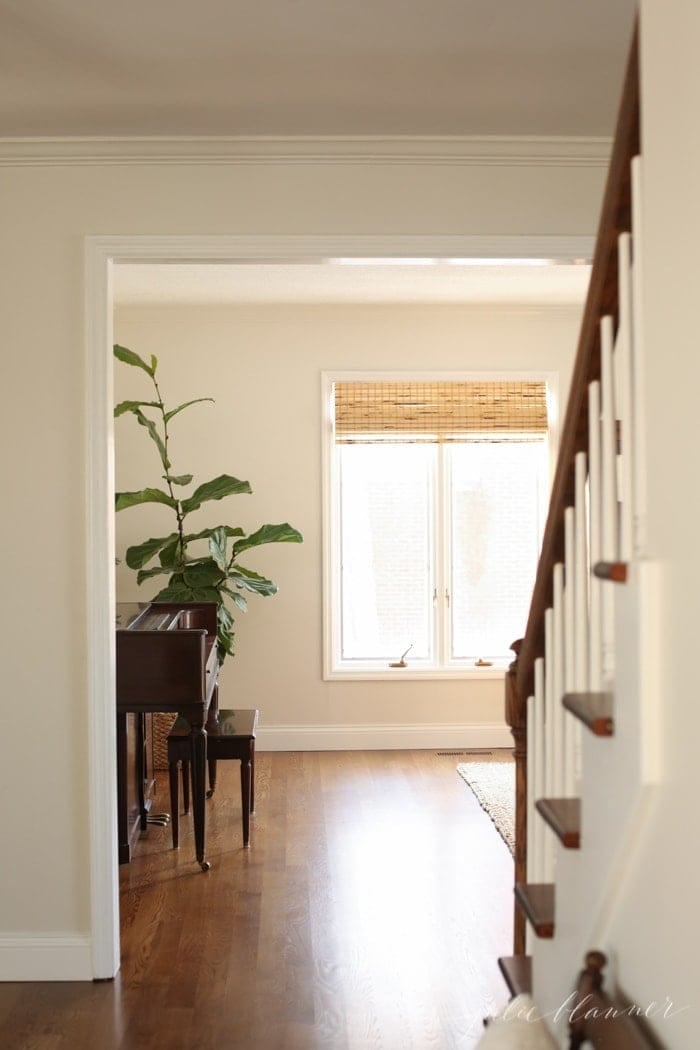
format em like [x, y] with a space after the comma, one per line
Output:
[352, 149]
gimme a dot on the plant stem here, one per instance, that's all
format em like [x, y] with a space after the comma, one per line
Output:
[178, 512]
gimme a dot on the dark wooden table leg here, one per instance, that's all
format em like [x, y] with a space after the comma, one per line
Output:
[211, 762]
[122, 791]
[186, 786]
[245, 798]
[198, 738]
[173, 773]
[212, 720]
[141, 767]
[252, 776]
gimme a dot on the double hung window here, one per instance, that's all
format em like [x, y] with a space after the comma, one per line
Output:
[436, 498]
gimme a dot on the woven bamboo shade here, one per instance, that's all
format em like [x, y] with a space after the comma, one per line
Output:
[438, 412]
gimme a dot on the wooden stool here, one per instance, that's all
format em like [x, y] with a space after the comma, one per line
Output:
[230, 735]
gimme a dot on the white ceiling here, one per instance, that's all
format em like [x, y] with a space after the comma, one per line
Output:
[311, 67]
[429, 282]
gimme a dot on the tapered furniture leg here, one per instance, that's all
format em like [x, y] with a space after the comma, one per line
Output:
[198, 746]
[174, 803]
[252, 775]
[186, 785]
[246, 766]
[211, 762]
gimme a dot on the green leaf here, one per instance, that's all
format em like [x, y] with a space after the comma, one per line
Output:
[202, 574]
[138, 555]
[179, 479]
[224, 646]
[157, 439]
[146, 574]
[169, 556]
[122, 353]
[205, 533]
[122, 500]
[217, 547]
[180, 408]
[248, 580]
[283, 533]
[204, 594]
[236, 598]
[176, 591]
[131, 406]
[219, 487]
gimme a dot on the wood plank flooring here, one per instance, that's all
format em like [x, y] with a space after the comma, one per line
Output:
[368, 915]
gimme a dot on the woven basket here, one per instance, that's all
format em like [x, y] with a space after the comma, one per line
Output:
[162, 723]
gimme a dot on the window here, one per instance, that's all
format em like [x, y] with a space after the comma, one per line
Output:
[437, 492]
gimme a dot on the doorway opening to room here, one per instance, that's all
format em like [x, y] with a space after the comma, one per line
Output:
[368, 265]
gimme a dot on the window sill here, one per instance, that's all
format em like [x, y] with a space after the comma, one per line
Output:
[412, 674]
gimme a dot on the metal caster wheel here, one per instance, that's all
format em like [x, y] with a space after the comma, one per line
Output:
[205, 865]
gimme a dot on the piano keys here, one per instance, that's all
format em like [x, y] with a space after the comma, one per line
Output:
[166, 661]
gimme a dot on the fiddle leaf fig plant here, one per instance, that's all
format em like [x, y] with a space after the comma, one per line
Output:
[212, 573]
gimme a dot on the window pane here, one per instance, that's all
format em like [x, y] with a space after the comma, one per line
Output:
[495, 535]
[386, 581]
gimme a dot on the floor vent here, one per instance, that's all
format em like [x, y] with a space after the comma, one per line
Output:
[471, 751]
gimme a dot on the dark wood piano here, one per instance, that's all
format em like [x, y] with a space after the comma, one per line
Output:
[166, 661]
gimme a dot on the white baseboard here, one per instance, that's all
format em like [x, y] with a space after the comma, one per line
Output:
[28, 957]
[383, 737]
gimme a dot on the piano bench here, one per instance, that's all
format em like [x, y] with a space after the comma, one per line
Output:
[232, 735]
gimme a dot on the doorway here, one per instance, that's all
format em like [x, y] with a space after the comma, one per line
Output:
[101, 256]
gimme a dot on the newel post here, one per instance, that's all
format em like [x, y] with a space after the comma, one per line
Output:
[516, 717]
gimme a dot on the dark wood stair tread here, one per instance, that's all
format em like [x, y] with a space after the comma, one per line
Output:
[536, 900]
[593, 709]
[517, 973]
[616, 571]
[564, 817]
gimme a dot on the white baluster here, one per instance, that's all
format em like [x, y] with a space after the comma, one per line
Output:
[609, 532]
[569, 601]
[623, 359]
[533, 818]
[595, 492]
[549, 704]
[558, 756]
[539, 868]
[638, 413]
[570, 629]
[544, 840]
[582, 576]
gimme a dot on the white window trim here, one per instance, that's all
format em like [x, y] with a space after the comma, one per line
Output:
[371, 670]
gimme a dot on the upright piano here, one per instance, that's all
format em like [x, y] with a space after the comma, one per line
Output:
[166, 661]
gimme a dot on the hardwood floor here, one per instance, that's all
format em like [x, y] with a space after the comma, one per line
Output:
[368, 915]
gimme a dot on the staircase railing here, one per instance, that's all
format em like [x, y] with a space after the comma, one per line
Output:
[563, 556]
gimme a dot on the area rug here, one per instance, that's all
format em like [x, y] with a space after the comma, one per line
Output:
[493, 783]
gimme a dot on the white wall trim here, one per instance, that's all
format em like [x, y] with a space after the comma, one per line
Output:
[53, 957]
[317, 248]
[100, 600]
[456, 737]
[100, 253]
[555, 151]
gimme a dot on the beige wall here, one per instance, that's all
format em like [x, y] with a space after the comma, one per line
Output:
[263, 364]
[45, 214]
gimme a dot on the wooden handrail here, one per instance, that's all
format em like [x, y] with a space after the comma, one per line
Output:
[602, 301]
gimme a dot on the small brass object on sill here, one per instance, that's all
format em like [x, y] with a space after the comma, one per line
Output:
[401, 662]
[483, 663]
